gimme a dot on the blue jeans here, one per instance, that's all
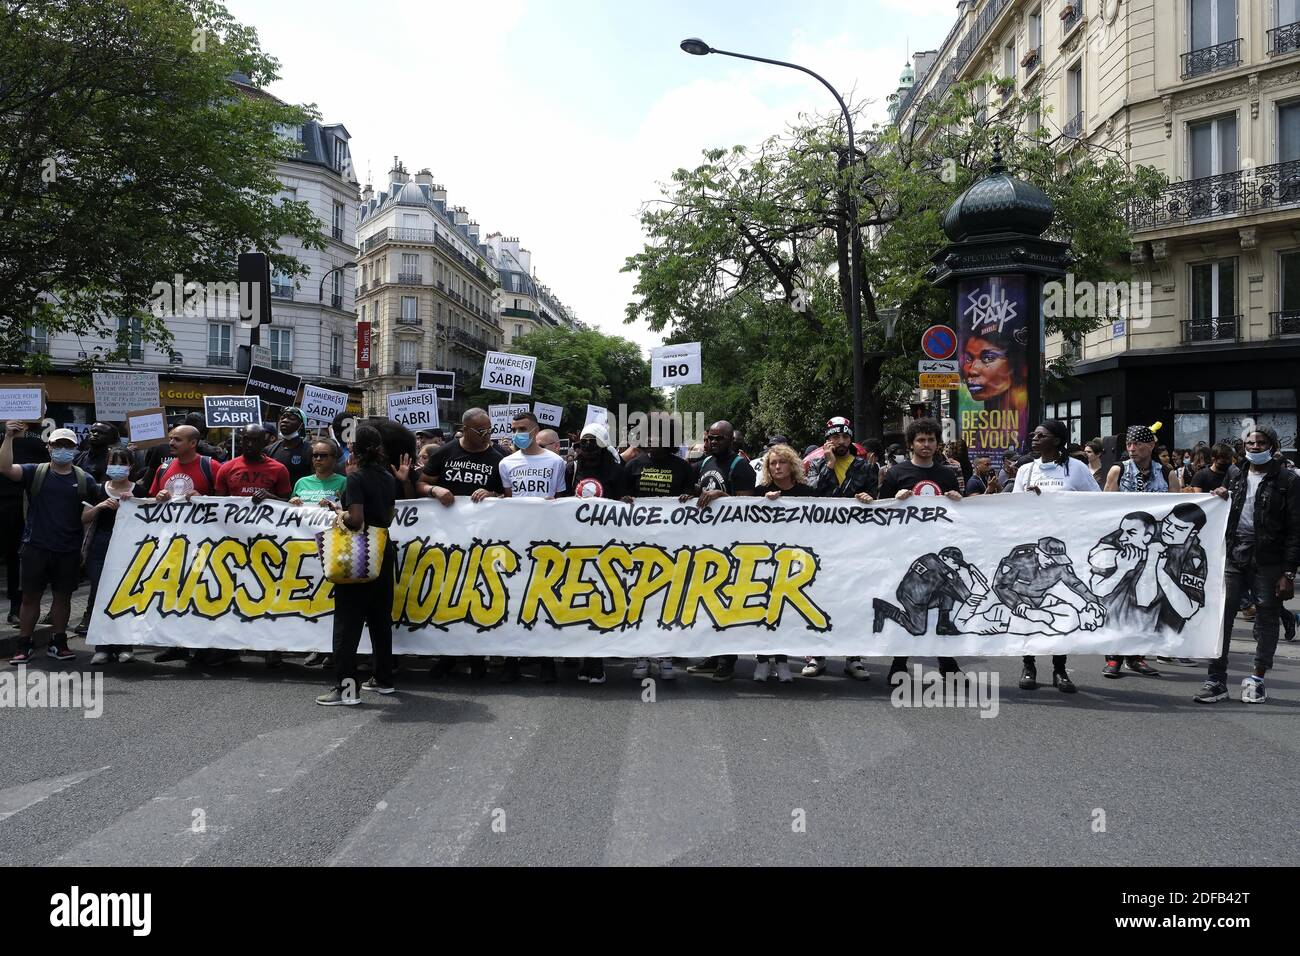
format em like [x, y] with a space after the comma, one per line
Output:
[1262, 579]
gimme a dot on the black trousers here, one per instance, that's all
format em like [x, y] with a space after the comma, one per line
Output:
[371, 606]
[11, 539]
[1058, 662]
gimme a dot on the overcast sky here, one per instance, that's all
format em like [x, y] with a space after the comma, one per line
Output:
[553, 120]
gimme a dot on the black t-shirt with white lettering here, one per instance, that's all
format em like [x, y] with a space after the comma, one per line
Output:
[733, 476]
[648, 478]
[934, 481]
[464, 472]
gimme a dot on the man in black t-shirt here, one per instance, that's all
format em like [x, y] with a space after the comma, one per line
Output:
[1216, 475]
[464, 467]
[925, 477]
[723, 471]
[658, 474]
[292, 450]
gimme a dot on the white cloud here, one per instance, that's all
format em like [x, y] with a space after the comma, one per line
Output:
[924, 8]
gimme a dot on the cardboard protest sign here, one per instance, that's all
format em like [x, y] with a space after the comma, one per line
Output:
[147, 427]
[118, 393]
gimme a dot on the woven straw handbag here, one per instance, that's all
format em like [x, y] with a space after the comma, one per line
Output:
[351, 557]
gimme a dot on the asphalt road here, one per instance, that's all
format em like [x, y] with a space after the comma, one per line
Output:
[239, 766]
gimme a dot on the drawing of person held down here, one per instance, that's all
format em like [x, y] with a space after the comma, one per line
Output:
[1150, 573]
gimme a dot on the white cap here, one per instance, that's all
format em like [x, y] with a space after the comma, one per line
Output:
[64, 434]
[599, 432]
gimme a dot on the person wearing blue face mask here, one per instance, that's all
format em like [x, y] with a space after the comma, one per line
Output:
[117, 489]
[58, 496]
[530, 472]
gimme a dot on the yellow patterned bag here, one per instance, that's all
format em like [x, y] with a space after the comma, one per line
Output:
[351, 557]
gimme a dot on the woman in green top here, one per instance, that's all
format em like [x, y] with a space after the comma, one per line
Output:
[324, 484]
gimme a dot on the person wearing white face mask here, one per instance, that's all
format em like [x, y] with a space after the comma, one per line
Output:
[57, 510]
[1263, 537]
[117, 489]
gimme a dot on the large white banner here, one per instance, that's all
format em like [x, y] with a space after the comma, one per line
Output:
[988, 576]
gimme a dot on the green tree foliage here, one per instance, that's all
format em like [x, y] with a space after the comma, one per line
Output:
[581, 367]
[127, 157]
[747, 253]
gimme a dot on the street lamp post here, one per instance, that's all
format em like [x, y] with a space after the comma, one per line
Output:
[320, 295]
[697, 47]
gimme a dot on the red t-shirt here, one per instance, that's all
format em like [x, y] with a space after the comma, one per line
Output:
[240, 478]
[181, 479]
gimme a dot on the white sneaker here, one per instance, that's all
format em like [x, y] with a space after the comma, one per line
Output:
[762, 671]
[783, 673]
[642, 668]
[666, 670]
[125, 657]
[1252, 691]
[857, 670]
[101, 657]
[815, 667]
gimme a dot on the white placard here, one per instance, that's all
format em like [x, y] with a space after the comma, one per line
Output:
[675, 365]
[147, 427]
[502, 416]
[322, 405]
[22, 404]
[503, 372]
[231, 411]
[548, 415]
[415, 409]
[596, 413]
[119, 393]
[938, 367]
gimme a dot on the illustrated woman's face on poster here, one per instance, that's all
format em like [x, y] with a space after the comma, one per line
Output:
[986, 369]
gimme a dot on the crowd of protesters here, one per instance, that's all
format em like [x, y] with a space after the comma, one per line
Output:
[61, 495]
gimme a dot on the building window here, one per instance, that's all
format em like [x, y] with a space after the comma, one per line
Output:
[1009, 67]
[1288, 132]
[132, 332]
[340, 154]
[38, 339]
[1106, 416]
[1214, 289]
[1212, 36]
[410, 309]
[1212, 146]
[219, 338]
[1074, 100]
[1285, 35]
[408, 352]
[281, 348]
[336, 354]
[1072, 414]
[1036, 29]
[338, 221]
[287, 194]
[519, 330]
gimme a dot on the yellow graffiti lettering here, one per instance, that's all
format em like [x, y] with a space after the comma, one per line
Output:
[744, 586]
[542, 591]
[707, 575]
[788, 584]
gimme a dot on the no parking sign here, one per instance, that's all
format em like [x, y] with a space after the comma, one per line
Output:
[939, 342]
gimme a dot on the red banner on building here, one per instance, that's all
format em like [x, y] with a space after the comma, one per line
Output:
[363, 345]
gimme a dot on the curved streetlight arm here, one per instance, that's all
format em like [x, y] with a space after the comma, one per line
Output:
[320, 294]
[848, 120]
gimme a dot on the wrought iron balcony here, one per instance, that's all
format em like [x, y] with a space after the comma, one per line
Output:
[1073, 126]
[1220, 329]
[1284, 39]
[1284, 323]
[409, 320]
[1230, 194]
[1211, 59]
[220, 361]
[405, 368]
[283, 364]
[471, 342]
[39, 346]
[1071, 16]
[1032, 60]
[336, 300]
[410, 278]
[337, 232]
[336, 371]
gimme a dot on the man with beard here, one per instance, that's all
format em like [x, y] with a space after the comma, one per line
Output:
[722, 472]
[292, 450]
[466, 467]
[840, 473]
[93, 461]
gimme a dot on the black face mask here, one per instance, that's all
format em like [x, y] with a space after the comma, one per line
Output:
[843, 450]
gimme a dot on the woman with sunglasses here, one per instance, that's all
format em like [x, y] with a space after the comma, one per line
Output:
[325, 483]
